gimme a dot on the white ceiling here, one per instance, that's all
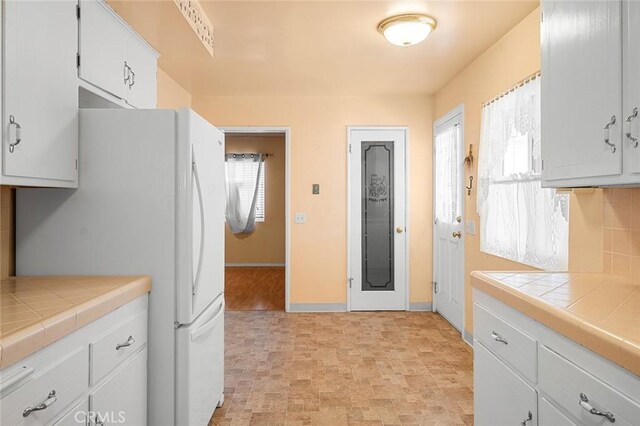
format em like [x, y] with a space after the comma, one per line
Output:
[265, 48]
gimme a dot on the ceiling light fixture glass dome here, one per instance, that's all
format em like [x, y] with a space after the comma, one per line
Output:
[407, 30]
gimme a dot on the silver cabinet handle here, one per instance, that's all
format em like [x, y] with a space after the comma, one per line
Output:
[584, 403]
[132, 81]
[606, 133]
[628, 134]
[527, 420]
[130, 341]
[498, 338]
[13, 122]
[51, 398]
[127, 71]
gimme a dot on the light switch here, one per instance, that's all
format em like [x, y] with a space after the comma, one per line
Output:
[470, 227]
[316, 189]
[301, 218]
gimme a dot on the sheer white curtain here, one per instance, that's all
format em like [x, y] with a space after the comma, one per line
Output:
[243, 176]
[519, 220]
[447, 174]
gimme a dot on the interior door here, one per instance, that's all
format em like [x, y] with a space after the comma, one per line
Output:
[40, 87]
[589, 55]
[377, 219]
[447, 229]
[208, 195]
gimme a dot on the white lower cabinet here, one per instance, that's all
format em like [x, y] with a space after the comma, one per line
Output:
[52, 386]
[501, 397]
[573, 386]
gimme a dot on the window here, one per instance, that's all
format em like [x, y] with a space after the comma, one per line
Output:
[245, 177]
[519, 220]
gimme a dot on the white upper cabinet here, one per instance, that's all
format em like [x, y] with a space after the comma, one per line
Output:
[631, 105]
[581, 89]
[40, 91]
[590, 93]
[113, 58]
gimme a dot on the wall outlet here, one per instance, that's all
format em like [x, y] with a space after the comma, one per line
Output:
[470, 227]
[301, 218]
[315, 189]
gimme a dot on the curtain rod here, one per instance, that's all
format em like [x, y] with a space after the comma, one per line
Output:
[521, 83]
[247, 154]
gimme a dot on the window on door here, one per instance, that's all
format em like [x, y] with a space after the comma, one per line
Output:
[519, 220]
[245, 176]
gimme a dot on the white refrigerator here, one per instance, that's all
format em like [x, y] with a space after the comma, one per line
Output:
[150, 201]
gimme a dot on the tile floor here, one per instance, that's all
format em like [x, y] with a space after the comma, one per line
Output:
[254, 289]
[382, 368]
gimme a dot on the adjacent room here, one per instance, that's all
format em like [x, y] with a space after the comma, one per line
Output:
[310, 212]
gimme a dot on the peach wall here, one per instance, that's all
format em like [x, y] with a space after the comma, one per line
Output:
[170, 93]
[267, 243]
[622, 232]
[515, 56]
[319, 155]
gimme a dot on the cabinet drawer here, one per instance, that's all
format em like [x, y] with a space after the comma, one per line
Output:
[59, 386]
[76, 416]
[508, 343]
[113, 348]
[551, 416]
[567, 384]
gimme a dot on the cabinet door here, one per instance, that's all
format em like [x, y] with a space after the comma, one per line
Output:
[40, 91]
[500, 396]
[76, 416]
[142, 85]
[581, 89]
[631, 97]
[123, 398]
[551, 416]
[103, 48]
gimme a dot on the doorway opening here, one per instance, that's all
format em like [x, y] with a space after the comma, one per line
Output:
[257, 258]
[448, 217]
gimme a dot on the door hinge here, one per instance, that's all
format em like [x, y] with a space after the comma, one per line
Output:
[349, 148]
[76, 164]
[542, 165]
[435, 287]
[541, 17]
[350, 280]
[78, 60]
[78, 11]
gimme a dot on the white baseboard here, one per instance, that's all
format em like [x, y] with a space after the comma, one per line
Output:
[318, 307]
[421, 306]
[468, 338]
[254, 265]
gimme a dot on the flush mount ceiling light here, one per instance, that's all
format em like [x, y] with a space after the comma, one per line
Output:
[407, 30]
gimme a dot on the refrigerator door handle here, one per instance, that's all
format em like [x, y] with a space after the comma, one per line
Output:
[209, 324]
[196, 176]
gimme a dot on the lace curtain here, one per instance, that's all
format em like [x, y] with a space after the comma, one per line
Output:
[519, 220]
[447, 179]
[243, 176]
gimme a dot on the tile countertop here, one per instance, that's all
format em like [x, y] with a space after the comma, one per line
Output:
[599, 311]
[37, 311]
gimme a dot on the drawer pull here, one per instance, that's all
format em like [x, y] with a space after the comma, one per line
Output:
[527, 420]
[51, 398]
[584, 403]
[130, 341]
[498, 338]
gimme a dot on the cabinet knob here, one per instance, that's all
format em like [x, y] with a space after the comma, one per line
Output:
[13, 122]
[607, 139]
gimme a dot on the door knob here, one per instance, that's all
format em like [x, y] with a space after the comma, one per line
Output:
[457, 234]
[399, 229]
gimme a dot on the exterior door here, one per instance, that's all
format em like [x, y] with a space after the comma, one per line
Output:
[377, 219]
[447, 229]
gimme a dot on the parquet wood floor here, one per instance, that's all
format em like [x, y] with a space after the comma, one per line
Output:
[370, 368]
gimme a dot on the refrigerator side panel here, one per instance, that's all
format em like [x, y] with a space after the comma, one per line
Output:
[121, 220]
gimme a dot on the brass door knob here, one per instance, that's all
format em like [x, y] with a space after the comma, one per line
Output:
[457, 234]
[399, 229]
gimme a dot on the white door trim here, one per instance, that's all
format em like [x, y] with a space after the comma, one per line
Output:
[405, 129]
[287, 196]
[457, 110]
